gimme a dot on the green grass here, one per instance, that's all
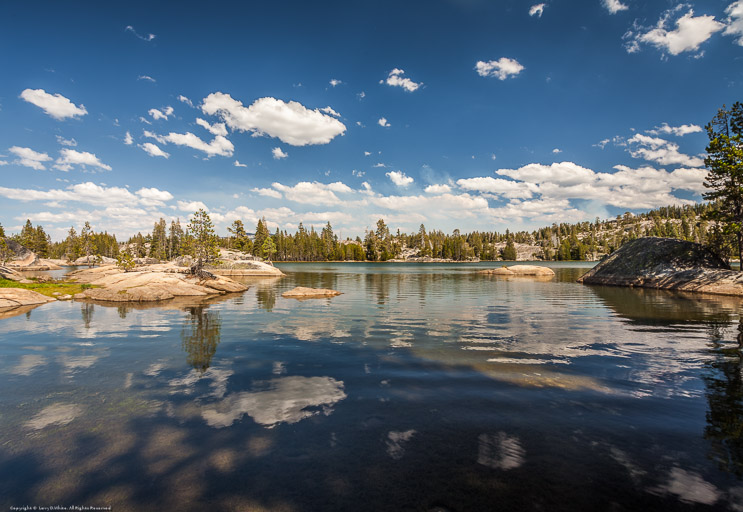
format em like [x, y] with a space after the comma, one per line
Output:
[63, 288]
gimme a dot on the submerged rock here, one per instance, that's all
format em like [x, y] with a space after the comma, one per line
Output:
[669, 264]
[300, 292]
[520, 270]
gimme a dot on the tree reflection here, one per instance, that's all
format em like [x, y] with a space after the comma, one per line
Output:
[266, 298]
[200, 336]
[725, 398]
[87, 310]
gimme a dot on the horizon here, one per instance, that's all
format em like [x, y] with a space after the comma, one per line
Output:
[455, 114]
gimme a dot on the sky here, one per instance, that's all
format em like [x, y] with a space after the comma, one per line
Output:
[458, 114]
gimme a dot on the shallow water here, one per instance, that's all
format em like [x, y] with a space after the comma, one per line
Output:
[422, 386]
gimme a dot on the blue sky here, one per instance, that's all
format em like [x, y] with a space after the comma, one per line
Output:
[466, 114]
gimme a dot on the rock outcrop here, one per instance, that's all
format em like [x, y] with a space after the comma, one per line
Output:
[669, 264]
[300, 292]
[15, 297]
[149, 284]
[520, 270]
[10, 274]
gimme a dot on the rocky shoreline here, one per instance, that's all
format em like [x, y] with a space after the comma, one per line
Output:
[666, 264]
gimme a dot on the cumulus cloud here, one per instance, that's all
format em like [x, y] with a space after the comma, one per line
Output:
[655, 149]
[70, 158]
[154, 150]
[314, 192]
[501, 69]
[160, 114]
[128, 139]
[87, 192]
[333, 82]
[689, 33]
[396, 78]
[291, 122]
[438, 189]
[238, 164]
[55, 105]
[153, 196]
[185, 100]
[734, 26]
[383, 122]
[267, 192]
[536, 10]
[218, 146]
[191, 206]
[498, 186]
[614, 6]
[679, 131]
[399, 178]
[330, 111]
[27, 157]
[278, 153]
[557, 151]
[214, 129]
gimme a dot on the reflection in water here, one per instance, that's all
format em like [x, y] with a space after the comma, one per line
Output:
[500, 451]
[690, 487]
[87, 309]
[56, 414]
[725, 398]
[287, 399]
[395, 442]
[200, 336]
[266, 298]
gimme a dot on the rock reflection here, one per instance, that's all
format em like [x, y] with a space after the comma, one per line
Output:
[286, 400]
[500, 451]
[725, 400]
[200, 336]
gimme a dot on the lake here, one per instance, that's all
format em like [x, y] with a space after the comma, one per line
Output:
[423, 387]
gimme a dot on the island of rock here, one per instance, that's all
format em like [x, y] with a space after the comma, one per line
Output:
[520, 270]
[668, 264]
[300, 292]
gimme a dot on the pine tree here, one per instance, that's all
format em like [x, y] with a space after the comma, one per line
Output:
[175, 239]
[159, 243]
[724, 164]
[509, 251]
[261, 233]
[2, 231]
[201, 229]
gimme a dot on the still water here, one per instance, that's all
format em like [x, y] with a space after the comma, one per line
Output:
[422, 387]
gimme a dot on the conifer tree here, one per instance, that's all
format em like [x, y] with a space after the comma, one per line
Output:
[201, 229]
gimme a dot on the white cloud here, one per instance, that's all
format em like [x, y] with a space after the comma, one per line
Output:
[383, 122]
[87, 192]
[367, 153]
[438, 189]
[330, 111]
[734, 26]
[148, 37]
[146, 78]
[501, 68]
[3, 162]
[55, 105]
[498, 186]
[27, 157]
[679, 131]
[70, 157]
[66, 142]
[153, 196]
[689, 32]
[396, 79]
[278, 154]
[536, 10]
[238, 164]
[160, 114]
[128, 140]
[267, 192]
[214, 129]
[614, 6]
[185, 100]
[154, 150]
[313, 192]
[191, 206]
[291, 122]
[659, 150]
[218, 146]
[557, 151]
[399, 178]
[335, 82]
[358, 174]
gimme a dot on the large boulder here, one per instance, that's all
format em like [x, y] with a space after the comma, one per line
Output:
[666, 263]
[10, 274]
[156, 283]
[16, 297]
[21, 257]
[520, 270]
[301, 292]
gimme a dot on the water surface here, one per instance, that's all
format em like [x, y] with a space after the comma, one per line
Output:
[422, 386]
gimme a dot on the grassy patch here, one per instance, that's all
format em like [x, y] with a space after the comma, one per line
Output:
[62, 287]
